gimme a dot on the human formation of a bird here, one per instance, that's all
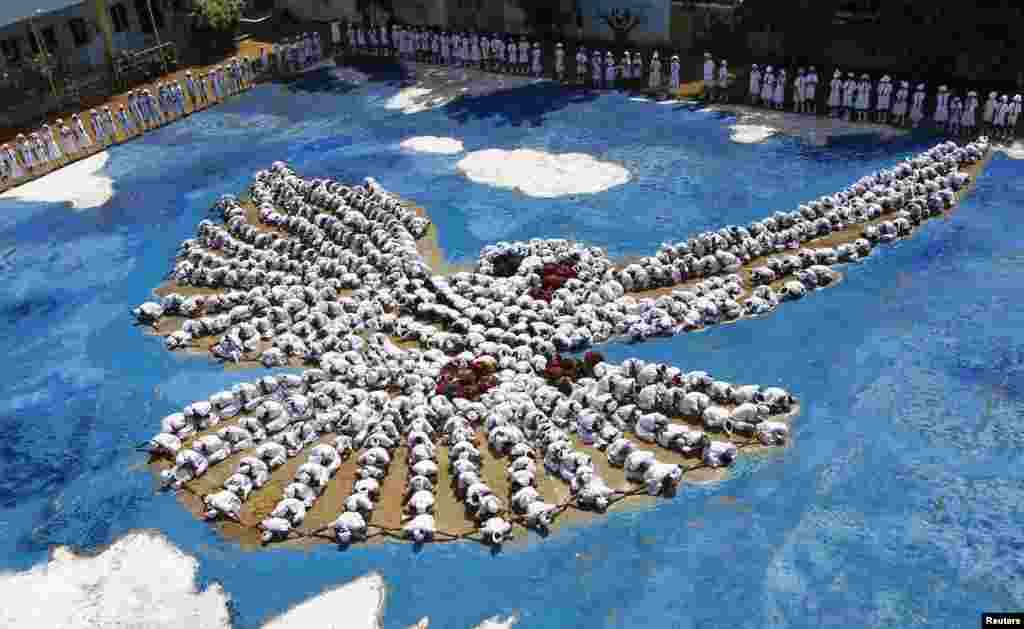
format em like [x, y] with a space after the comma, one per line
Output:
[332, 277]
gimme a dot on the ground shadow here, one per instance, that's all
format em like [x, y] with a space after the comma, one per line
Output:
[329, 80]
[516, 106]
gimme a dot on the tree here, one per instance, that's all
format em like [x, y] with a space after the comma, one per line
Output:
[219, 15]
[621, 21]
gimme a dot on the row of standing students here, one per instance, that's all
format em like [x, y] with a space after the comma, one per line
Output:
[54, 146]
[886, 101]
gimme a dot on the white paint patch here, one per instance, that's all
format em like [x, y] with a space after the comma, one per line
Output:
[80, 185]
[639, 99]
[750, 133]
[142, 580]
[539, 174]
[497, 623]
[1014, 151]
[362, 602]
[433, 144]
[410, 100]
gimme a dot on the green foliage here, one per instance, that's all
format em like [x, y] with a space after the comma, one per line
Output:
[219, 15]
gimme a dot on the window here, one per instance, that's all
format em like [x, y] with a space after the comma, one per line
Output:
[79, 31]
[11, 50]
[119, 17]
[49, 37]
[142, 8]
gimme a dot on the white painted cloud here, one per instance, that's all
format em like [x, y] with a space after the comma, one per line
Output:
[433, 144]
[141, 580]
[497, 623]
[1014, 151]
[539, 174]
[362, 601]
[79, 184]
[750, 133]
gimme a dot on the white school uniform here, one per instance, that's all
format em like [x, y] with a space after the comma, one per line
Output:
[779, 92]
[810, 86]
[798, 87]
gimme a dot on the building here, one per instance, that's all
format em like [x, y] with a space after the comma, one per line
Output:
[83, 35]
[675, 23]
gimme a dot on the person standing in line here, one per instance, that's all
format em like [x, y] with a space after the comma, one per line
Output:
[109, 124]
[835, 95]
[609, 70]
[709, 77]
[779, 95]
[798, 90]
[52, 146]
[14, 169]
[899, 106]
[941, 115]
[767, 87]
[67, 140]
[955, 111]
[917, 105]
[559, 62]
[1012, 115]
[524, 56]
[969, 115]
[883, 100]
[673, 79]
[755, 85]
[862, 98]
[126, 122]
[999, 117]
[581, 65]
[811, 92]
[723, 82]
[988, 113]
[654, 76]
[538, 70]
[638, 68]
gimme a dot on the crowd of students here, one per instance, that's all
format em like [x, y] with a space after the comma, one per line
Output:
[59, 144]
[885, 101]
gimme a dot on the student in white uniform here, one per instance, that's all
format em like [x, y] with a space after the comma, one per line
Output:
[811, 92]
[609, 70]
[638, 66]
[654, 77]
[849, 96]
[969, 115]
[956, 109]
[835, 95]
[597, 68]
[779, 93]
[709, 77]
[884, 99]
[899, 105]
[767, 86]
[1012, 115]
[754, 92]
[560, 62]
[52, 147]
[538, 70]
[723, 81]
[863, 99]
[999, 116]
[941, 115]
[917, 105]
[581, 65]
[798, 90]
[673, 80]
[524, 56]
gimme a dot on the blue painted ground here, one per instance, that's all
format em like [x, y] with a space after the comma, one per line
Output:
[900, 500]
